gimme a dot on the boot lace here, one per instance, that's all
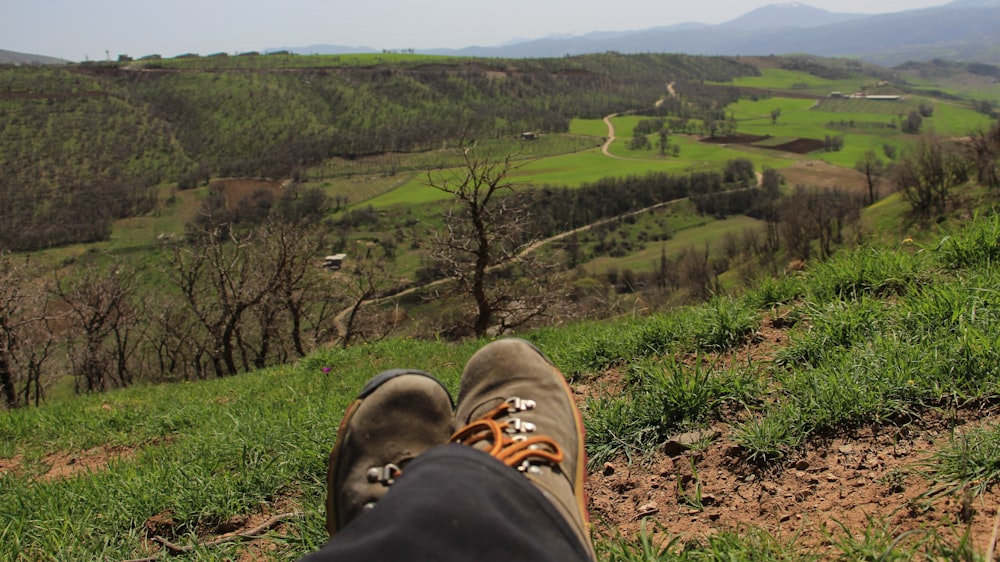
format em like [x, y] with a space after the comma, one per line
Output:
[507, 440]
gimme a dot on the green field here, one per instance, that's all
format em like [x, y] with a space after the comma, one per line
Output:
[697, 233]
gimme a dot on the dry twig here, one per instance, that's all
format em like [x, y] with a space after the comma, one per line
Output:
[254, 533]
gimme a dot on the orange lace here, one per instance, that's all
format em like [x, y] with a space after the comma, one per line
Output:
[516, 451]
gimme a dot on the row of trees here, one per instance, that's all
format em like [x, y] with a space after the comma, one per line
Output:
[927, 173]
[235, 295]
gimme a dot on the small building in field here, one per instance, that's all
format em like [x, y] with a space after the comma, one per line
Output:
[529, 135]
[334, 262]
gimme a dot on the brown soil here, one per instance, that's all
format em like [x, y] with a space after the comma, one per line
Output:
[60, 465]
[66, 465]
[834, 486]
[735, 139]
[797, 146]
[235, 190]
[818, 173]
[800, 146]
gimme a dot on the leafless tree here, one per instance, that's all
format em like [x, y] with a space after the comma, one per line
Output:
[984, 148]
[254, 292]
[926, 174]
[292, 246]
[485, 240]
[103, 323]
[26, 340]
[873, 168]
[220, 279]
[175, 342]
[696, 271]
[820, 214]
[361, 284]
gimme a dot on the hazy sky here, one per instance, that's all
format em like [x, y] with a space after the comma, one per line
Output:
[76, 29]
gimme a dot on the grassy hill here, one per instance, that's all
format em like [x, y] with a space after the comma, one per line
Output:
[883, 338]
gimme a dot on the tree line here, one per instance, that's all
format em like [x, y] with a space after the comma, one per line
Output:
[83, 145]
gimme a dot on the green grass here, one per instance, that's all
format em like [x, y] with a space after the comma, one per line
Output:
[802, 82]
[971, 461]
[589, 127]
[693, 231]
[881, 333]
[747, 109]
[203, 452]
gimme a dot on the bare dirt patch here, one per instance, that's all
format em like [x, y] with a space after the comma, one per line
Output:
[61, 465]
[800, 146]
[833, 488]
[735, 139]
[797, 146]
[235, 190]
[67, 465]
[823, 174]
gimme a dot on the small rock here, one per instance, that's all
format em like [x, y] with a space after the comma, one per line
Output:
[680, 443]
[831, 478]
[609, 469]
[769, 487]
[846, 449]
[648, 509]
[802, 465]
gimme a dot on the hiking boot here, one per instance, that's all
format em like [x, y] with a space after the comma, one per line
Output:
[398, 415]
[515, 405]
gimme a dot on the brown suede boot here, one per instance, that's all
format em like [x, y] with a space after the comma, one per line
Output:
[398, 415]
[515, 405]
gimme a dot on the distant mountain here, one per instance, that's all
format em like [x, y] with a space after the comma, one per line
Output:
[12, 57]
[975, 4]
[965, 30]
[791, 14]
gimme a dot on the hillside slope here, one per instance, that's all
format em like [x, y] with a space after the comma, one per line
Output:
[835, 396]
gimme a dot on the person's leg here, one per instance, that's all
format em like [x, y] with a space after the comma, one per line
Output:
[457, 504]
[512, 491]
[516, 405]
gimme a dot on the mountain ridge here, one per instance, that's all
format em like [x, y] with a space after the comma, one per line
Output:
[967, 30]
[14, 57]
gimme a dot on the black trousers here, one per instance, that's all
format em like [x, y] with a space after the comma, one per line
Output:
[456, 503]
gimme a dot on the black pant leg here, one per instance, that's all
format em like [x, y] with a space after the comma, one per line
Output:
[455, 503]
